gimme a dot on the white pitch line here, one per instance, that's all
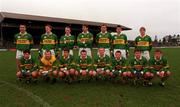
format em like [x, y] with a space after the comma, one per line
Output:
[30, 94]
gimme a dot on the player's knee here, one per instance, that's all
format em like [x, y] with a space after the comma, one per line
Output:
[76, 73]
[83, 73]
[72, 71]
[168, 73]
[67, 72]
[111, 74]
[94, 73]
[40, 72]
[55, 73]
[162, 74]
[19, 74]
[90, 72]
[152, 75]
[34, 74]
[147, 74]
[107, 72]
[61, 74]
[129, 74]
[124, 74]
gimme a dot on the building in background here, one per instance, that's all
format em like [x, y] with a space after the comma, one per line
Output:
[35, 26]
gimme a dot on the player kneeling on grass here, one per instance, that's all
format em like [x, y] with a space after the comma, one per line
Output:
[139, 69]
[27, 68]
[48, 67]
[84, 63]
[119, 66]
[102, 64]
[67, 72]
[159, 65]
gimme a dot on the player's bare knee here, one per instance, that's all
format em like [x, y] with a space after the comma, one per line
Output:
[19, 74]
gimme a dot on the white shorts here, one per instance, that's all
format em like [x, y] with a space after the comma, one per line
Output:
[146, 55]
[19, 54]
[52, 51]
[123, 52]
[88, 50]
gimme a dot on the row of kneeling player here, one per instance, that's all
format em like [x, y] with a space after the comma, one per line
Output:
[69, 69]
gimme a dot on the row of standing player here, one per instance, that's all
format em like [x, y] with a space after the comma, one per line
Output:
[104, 39]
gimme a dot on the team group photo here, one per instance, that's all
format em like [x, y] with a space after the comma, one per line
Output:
[89, 53]
[56, 59]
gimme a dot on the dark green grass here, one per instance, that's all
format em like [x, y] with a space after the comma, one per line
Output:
[94, 94]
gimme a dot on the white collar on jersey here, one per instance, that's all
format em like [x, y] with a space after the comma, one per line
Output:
[28, 58]
[85, 33]
[23, 33]
[104, 32]
[81, 57]
[48, 34]
[67, 57]
[67, 35]
[157, 59]
[100, 56]
[143, 35]
[118, 59]
[139, 58]
[118, 34]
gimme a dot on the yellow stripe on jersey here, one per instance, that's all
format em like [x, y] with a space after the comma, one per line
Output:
[119, 41]
[22, 41]
[84, 39]
[103, 40]
[143, 43]
[49, 41]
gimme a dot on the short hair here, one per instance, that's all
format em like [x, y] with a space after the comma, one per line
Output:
[136, 50]
[48, 51]
[49, 25]
[66, 50]
[26, 51]
[68, 27]
[118, 52]
[22, 24]
[119, 26]
[83, 51]
[85, 25]
[142, 28]
[158, 50]
[101, 48]
[104, 25]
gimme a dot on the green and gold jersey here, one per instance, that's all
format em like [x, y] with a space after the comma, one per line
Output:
[48, 42]
[119, 64]
[103, 40]
[84, 64]
[23, 41]
[102, 62]
[119, 42]
[157, 65]
[66, 62]
[28, 64]
[85, 40]
[139, 65]
[67, 42]
[143, 43]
